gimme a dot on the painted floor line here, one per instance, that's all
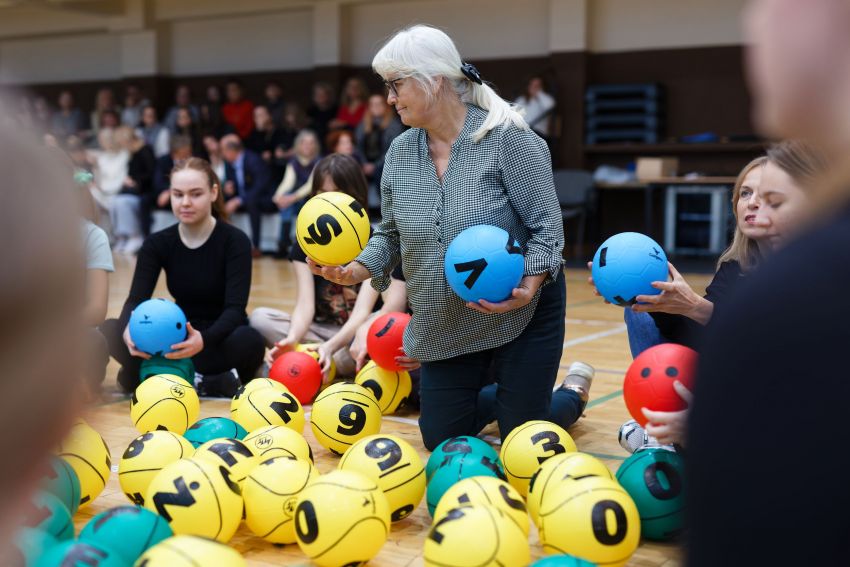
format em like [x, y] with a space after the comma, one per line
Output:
[607, 397]
[592, 337]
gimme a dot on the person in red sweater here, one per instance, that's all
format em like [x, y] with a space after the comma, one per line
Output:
[352, 105]
[238, 111]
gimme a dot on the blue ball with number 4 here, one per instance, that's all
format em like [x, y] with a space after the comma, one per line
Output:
[484, 262]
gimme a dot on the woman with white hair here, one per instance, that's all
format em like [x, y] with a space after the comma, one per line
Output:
[469, 158]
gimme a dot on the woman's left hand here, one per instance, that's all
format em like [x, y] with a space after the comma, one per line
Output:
[405, 362]
[676, 297]
[325, 359]
[670, 427]
[520, 297]
[193, 344]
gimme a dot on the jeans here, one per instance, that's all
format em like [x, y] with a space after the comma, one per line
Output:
[642, 331]
[524, 371]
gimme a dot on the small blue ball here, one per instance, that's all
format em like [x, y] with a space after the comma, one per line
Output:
[484, 262]
[562, 561]
[129, 531]
[457, 468]
[626, 265]
[80, 554]
[156, 324]
[211, 428]
[460, 445]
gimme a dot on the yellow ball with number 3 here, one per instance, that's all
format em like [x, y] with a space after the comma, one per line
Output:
[332, 228]
[528, 446]
[394, 465]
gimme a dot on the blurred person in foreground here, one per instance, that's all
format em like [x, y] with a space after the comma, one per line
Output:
[41, 303]
[772, 382]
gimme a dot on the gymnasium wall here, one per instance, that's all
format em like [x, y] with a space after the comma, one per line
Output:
[692, 47]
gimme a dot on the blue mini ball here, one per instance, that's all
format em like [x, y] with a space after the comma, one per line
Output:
[457, 468]
[211, 428]
[484, 262]
[156, 324]
[562, 561]
[74, 553]
[461, 445]
[129, 531]
[626, 265]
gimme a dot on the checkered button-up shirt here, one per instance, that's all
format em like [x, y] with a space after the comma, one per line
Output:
[504, 180]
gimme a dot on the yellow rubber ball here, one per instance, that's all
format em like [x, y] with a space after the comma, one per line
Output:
[396, 468]
[593, 518]
[476, 535]
[341, 518]
[190, 551]
[332, 228]
[309, 348]
[271, 493]
[489, 491]
[196, 498]
[233, 454]
[269, 406]
[145, 456]
[342, 415]
[165, 402]
[87, 453]
[391, 389]
[558, 470]
[278, 441]
[255, 384]
[528, 446]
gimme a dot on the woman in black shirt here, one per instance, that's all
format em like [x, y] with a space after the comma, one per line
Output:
[207, 265]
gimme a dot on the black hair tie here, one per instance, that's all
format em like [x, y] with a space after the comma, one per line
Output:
[471, 73]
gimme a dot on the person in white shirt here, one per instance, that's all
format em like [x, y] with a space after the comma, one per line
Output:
[538, 106]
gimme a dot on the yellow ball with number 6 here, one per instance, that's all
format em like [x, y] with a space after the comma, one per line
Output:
[394, 465]
[332, 228]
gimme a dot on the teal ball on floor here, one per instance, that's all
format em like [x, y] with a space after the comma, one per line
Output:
[458, 446]
[562, 561]
[654, 478]
[61, 481]
[48, 513]
[129, 531]
[80, 554]
[33, 544]
[211, 428]
[457, 468]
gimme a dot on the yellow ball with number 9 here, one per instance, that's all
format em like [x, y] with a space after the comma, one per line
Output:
[332, 228]
[528, 446]
[394, 465]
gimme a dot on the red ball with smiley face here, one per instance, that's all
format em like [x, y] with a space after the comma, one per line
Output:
[649, 380]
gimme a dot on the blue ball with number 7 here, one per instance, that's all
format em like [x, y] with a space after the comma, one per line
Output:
[484, 262]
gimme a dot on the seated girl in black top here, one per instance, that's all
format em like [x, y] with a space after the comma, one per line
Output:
[679, 314]
[207, 265]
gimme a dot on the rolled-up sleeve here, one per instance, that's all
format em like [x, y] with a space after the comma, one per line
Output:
[527, 176]
[382, 254]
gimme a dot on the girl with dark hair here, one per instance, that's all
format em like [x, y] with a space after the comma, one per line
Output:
[207, 265]
[325, 312]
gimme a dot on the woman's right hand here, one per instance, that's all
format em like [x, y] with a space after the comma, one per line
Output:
[357, 350]
[283, 346]
[351, 274]
[131, 346]
[593, 285]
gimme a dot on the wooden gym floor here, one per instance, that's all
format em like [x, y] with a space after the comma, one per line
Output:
[595, 334]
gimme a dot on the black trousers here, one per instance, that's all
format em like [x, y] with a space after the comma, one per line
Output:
[255, 207]
[524, 370]
[243, 349]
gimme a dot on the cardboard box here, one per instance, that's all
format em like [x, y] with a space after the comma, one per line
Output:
[647, 168]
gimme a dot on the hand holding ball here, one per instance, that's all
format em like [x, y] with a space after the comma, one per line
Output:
[156, 324]
[484, 262]
[626, 265]
[332, 228]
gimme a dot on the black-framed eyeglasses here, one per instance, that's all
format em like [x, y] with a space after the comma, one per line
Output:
[392, 87]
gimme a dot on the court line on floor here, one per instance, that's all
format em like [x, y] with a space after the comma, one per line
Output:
[592, 337]
[607, 397]
[606, 456]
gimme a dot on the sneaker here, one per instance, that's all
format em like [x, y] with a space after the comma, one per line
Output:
[579, 379]
[633, 437]
[222, 385]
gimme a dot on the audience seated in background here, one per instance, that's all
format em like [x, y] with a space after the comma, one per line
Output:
[104, 103]
[352, 104]
[186, 126]
[539, 107]
[211, 118]
[238, 111]
[68, 119]
[160, 198]
[322, 111]
[156, 135]
[296, 185]
[342, 142]
[247, 185]
[182, 99]
[212, 148]
[294, 120]
[134, 104]
[274, 101]
[264, 139]
[375, 133]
